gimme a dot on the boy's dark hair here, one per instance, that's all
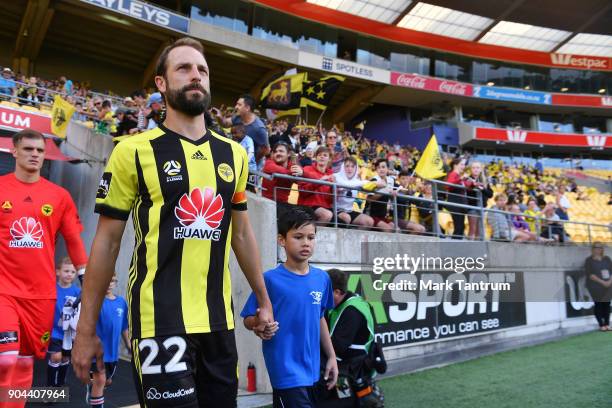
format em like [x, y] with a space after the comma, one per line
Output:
[26, 134]
[294, 219]
[377, 162]
[322, 149]
[162, 62]
[403, 173]
[106, 104]
[339, 279]
[248, 101]
[286, 145]
[139, 93]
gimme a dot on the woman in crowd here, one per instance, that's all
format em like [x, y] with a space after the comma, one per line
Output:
[457, 195]
[347, 176]
[477, 184]
[597, 268]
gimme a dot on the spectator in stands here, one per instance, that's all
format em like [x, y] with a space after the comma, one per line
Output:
[306, 159]
[78, 114]
[67, 86]
[520, 227]
[153, 112]
[379, 201]
[279, 162]
[318, 196]
[106, 122]
[562, 202]
[457, 195]
[290, 135]
[338, 151]
[477, 185]
[28, 93]
[239, 135]
[426, 209]
[348, 176]
[532, 214]
[126, 121]
[7, 83]
[499, 223]
[598, 268]
[552, 228]
[140, 100]
[255, 128]
[404, 205]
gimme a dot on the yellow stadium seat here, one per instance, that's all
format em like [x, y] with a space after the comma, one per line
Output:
[9, 104]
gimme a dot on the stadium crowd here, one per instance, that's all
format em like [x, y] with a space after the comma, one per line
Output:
[376, 171]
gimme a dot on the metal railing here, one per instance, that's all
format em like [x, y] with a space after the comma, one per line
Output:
[46, 97]
[543, 225]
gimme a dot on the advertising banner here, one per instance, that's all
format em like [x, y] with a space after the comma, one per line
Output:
[594, 141]
[15, 119]
[343, 67]
[410, 308]
[431, 84]
[512, 95]
[145, 12]
[578, 299]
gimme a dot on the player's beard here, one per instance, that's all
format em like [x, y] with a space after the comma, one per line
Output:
[178, 99]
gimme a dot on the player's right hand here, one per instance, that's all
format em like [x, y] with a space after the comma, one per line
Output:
[84, 350]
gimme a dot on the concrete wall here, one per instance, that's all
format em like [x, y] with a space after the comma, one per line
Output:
[543, 266]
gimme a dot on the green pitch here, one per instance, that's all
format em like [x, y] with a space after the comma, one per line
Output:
[575, 372]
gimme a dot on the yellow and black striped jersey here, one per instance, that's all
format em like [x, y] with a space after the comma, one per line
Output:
[180, 193]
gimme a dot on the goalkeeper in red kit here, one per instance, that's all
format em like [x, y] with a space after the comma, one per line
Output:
[32, 212]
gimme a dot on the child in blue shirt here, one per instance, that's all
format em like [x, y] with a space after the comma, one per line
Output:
[300, 295]
[111, 327]
[67, 293]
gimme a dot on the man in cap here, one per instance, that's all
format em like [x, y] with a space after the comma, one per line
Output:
[7, 84]
[154, 107]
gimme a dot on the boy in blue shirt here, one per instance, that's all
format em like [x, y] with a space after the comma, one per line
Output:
[300, 295]
[111, 327]
[67, 294]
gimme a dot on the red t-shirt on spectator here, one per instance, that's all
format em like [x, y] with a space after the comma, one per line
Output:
[283, 185]
[315, 195]
[31, 215]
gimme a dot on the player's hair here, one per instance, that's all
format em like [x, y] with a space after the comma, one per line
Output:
[338, 278]
[26, 134]
[64, 261]
[162, 61]
[248, 101]
[322, 149]
[294, 219]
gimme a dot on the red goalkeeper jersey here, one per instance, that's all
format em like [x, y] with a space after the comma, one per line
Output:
[31, 214]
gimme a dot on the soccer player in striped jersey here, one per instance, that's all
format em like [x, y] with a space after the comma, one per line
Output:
[184, 186]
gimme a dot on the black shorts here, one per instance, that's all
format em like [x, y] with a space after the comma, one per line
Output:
[55, 346]
[352, 214]
[298, 397]
[187, 370]
[109, 369]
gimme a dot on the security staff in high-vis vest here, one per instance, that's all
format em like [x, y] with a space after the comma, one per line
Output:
[351, 326]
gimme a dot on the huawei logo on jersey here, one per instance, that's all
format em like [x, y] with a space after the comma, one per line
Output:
[26, 232]
[200, 213]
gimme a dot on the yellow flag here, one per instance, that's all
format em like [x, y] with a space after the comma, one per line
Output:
[430, 165]
[61, 112]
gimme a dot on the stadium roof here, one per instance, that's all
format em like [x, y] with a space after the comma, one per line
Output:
[565, 26]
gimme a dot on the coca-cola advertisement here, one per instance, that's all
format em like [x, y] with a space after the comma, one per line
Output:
[431, 84]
